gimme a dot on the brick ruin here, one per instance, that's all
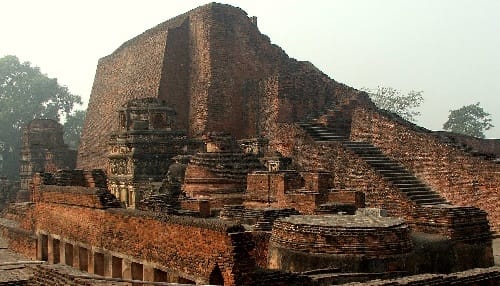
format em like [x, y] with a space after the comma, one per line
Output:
[8, 191]
[220, 173]
[210, 156]
[141, 149]
[42, 150]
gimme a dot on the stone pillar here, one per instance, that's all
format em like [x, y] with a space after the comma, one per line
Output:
[108, 265]
[62, 252]
[50, 249]
[126, 269]
[90, 260]
[148, 273]
[76, 256]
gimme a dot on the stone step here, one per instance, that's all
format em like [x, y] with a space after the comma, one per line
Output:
[395, 173]
[361, 147]
[409, 181]
[376, 158]
[416, 190]
[422, 194]
[365, 152]
[428, 199]
[405, 185]
[385, 167]
[333, 137]
[431, 201]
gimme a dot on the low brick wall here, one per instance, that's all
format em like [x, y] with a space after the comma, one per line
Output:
[467, 224]
[356, 198]
[185, 244]
[75, 195]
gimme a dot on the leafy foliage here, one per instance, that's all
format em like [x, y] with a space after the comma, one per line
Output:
[470, 120]
[73, 128]
[26, 94]
[394, 101]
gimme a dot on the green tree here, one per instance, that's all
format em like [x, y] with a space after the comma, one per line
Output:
[73, 128]
[470, 120]
[26, 94]
[395, 101]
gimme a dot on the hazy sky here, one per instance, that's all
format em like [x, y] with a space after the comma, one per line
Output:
[450, 49]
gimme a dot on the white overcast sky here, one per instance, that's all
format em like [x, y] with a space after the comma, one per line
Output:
[450, 49]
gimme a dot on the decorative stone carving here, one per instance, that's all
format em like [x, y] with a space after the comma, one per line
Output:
[141, 150]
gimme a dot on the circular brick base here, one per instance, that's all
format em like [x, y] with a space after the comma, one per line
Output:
[350, 242]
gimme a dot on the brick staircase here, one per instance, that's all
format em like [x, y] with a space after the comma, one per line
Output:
[395, 173]
[391, 171]
[321, 133]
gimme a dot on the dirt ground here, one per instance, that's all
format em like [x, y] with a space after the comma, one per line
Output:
[12, 272]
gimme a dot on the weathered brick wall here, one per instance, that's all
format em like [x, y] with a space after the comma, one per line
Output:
[305, 203]
[484, 146]
[185, 244]
[71, 195]
[132, 71]
[356, 198]
[461, 178]
[287, 189]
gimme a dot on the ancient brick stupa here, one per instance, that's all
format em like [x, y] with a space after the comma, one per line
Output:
[219, 73]
[142, 148]
[220, 173]
[42, 150]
